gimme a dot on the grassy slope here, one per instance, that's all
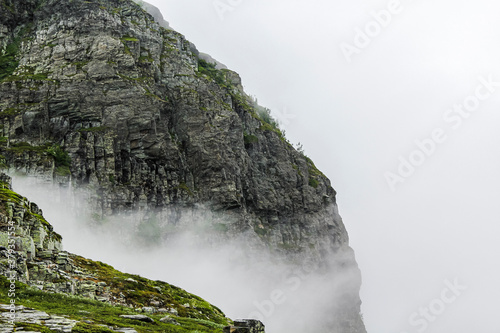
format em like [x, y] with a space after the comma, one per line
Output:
[99, 313]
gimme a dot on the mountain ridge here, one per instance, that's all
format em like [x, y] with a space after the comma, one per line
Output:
[96, 94]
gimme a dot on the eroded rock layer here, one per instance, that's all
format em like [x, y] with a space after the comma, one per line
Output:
[98, 94]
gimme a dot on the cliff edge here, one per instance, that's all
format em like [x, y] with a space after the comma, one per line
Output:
[98, 95]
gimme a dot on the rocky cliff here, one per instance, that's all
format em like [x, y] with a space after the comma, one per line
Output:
[99, 95]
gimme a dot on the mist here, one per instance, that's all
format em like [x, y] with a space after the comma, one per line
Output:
[234, 273]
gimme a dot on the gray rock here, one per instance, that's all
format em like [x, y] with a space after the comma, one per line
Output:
[148, 309]
[125, 330]
[245, 326]
[139, 317]
[155, 12]
[169, 310]
[169, 320]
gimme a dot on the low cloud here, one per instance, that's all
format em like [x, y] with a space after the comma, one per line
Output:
[181, 247]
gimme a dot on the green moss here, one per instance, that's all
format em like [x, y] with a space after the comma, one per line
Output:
[8, 61]
[80, 64]
[8, 7]
[150, 94]
[141, 292]
[32, 327]
[313, 170]
[241, 102]
[296, 168]
[78, 308]
[8, 56]
[313, 183]
[28, 73]
[127, 38]
[145, 58]
[268, 127]
[90, 328]
[260, 113]
[314, 173]
[21, 147]
[39, 217]
[3, 162]
[8, 112]
[209, 70]
[249, 139]
[184, 187]
[61, 158]
[62, 170]
[265, 115]
[7, 195]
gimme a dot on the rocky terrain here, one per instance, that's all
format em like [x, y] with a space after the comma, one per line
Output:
[99, 95]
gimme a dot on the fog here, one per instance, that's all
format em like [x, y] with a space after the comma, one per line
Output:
[402, 123]
[234, 273]
[356, 119]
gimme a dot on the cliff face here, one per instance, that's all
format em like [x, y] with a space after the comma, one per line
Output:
[99, 94]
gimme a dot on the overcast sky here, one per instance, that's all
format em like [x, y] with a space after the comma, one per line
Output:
[358, 102]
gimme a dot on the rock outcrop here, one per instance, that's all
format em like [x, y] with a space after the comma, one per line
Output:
[245, 326]
[98, 94]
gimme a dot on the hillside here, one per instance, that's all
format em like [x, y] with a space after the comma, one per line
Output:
[98, 96]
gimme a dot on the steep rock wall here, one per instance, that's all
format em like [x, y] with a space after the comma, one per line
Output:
[98, 94]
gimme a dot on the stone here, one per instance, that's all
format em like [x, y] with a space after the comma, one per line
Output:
[139, 317]
[148, 309]
[169, 320]
[245, 326]
[125, 330]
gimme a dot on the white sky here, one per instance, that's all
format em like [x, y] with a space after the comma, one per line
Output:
[356, 119]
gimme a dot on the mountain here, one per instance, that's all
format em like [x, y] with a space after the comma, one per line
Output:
[99, 96]
[72, 293]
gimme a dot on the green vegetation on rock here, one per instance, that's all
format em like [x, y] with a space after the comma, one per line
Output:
[8, 61]
[313, 183]
[140, 291]
[209, 70]
[249, 139]
[96, 313]
[61, 158]
[9, 112]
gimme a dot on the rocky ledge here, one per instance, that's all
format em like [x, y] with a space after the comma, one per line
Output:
[101, 96]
